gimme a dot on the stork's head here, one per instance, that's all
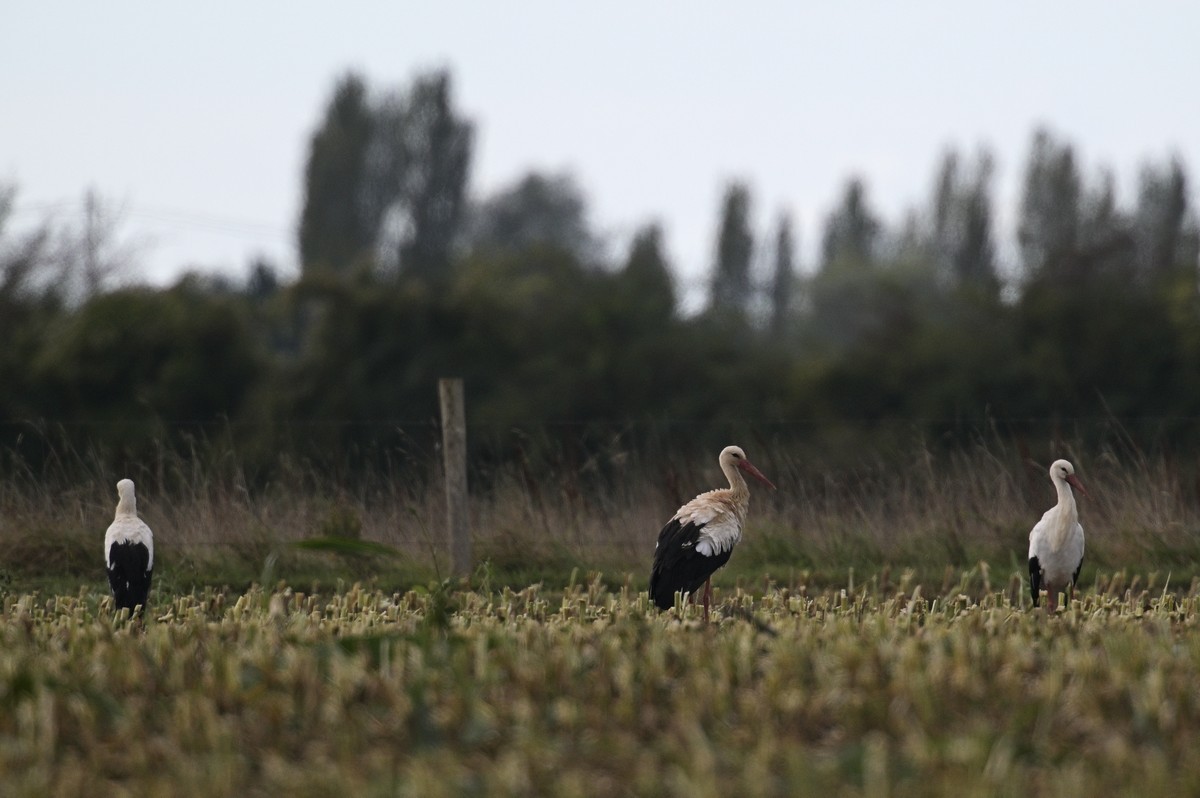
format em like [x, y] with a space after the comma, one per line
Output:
[1062, 470]
[125, 496]
[734, 456]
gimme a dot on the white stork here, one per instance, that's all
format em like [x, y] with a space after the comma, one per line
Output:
[128, 552]
[700, 537]
[1056, 542]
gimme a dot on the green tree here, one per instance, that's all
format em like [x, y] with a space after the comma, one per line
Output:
[846, 288]
[783, 277]
[262, 283]
[538, 211]
[21, 257]
[139, 366]
[340, 217]
[1106, 232]
[29, 304]
[385, 181]
[435, 141]
[648, 289]
[963, 242]
[1049, 216]
[852, 231]
[1164, 227]
[731, 280]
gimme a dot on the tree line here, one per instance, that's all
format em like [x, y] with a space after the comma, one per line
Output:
[901, 327]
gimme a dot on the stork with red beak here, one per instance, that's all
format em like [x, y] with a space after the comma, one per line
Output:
[700, 537]
[1056, 542]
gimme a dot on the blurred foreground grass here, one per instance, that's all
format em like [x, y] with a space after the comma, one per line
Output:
[884, 688]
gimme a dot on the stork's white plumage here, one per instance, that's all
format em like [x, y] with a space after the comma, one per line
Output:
[1056, 542]
[128, 552]
[700, 537]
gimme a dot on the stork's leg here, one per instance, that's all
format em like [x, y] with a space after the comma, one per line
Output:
[1051, 599]
[707, 596]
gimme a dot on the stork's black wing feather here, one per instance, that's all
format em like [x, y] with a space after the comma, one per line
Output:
[1075, 576]
[678, 567]
[129, 574]
[1035, 578]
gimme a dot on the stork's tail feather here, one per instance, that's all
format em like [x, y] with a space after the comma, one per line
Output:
[1035, 579]
[662, 591]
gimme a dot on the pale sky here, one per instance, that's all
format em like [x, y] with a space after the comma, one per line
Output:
[194, 118]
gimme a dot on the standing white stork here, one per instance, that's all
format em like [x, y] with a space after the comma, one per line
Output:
[128, 552]
[1056, 542]
[700, 537]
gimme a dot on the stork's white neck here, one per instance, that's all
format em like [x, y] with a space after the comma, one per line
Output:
[737, 483]
[127, 506]
[1068, 513]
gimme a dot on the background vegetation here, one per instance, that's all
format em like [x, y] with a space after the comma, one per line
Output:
[910, 353]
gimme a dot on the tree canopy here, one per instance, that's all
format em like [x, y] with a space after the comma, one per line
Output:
[385, 182]
[917, 326]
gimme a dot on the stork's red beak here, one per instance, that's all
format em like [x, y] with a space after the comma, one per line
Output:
[749, 468]
[1074, 482]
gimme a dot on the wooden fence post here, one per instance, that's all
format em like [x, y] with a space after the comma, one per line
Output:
[454, 460]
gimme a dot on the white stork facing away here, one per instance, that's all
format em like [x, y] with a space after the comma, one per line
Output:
[1056, 542]
[128, 552]
[700, 537]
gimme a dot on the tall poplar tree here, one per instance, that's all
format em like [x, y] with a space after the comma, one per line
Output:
[1049, 221]
[647, 278]
[731, 283]
[385, 182]
[338, 223]
[783, 277]
[1164, 227]
[963, 241]
[851, 231]
[436, 143]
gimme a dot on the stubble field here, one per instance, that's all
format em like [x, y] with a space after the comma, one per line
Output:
[879, 689]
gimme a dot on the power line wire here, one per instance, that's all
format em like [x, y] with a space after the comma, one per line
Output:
[177, 217]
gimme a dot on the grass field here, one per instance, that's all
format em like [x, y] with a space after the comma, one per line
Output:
[884, 689]
[873, 636]
[538, 522]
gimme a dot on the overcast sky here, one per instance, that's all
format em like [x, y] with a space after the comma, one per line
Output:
[194, 118]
